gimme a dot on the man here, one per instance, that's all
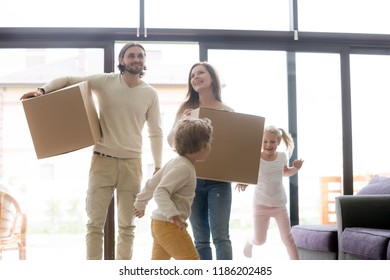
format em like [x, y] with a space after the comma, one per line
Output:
[125, 103]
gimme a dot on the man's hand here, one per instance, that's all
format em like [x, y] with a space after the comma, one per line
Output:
[31, 94]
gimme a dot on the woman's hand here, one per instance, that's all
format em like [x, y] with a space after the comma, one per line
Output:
[187, 112]
[241, 187]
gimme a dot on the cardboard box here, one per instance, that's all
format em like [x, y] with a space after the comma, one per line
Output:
[62, 121]
[236, 147]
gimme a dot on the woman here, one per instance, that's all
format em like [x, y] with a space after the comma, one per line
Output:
[210, 211]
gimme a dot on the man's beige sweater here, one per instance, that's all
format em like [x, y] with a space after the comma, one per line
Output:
[123, 112]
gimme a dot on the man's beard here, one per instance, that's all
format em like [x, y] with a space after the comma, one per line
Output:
[134, 71]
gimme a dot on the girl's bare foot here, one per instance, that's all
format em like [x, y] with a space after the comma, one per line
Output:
[248, 250]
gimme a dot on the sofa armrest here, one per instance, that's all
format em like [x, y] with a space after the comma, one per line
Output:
[366, 211]
[370, 211]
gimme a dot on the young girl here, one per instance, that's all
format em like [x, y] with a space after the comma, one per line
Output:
[269, 195]
[173, 189]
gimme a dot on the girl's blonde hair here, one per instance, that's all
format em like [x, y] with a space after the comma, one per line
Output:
[281, 134]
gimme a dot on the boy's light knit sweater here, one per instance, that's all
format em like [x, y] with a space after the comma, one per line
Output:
[123, 112]
[173, 189]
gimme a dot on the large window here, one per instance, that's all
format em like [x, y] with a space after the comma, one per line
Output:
[319, 131]
[254, 82]
[70, 13]
[370, 98]
[218, 14]
[346, 16]
[51, 190]
[262, 67]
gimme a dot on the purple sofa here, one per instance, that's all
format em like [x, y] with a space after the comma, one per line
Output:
[316, 242]
[363, 222]
[363, 227]
[362, 230]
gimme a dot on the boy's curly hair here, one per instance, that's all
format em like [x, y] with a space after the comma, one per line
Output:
[191, 134]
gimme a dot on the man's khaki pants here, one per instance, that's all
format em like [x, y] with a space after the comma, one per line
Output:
[107, 175]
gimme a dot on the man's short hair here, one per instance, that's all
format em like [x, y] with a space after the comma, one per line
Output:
[122, 55]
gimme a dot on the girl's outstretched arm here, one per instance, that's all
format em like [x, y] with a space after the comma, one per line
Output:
[290, 171]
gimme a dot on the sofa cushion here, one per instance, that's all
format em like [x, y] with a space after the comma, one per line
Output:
[366, 243]
[388, 251]
[377, 185]
[316, 237]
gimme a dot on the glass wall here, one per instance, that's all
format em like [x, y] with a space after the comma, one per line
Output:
[255, 82]
[52, 191]
[319, 132]
[218, 14]
[345, 16]
[72, 13]
[370, 99]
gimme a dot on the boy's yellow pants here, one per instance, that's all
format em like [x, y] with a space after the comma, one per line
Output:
[170, 242]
